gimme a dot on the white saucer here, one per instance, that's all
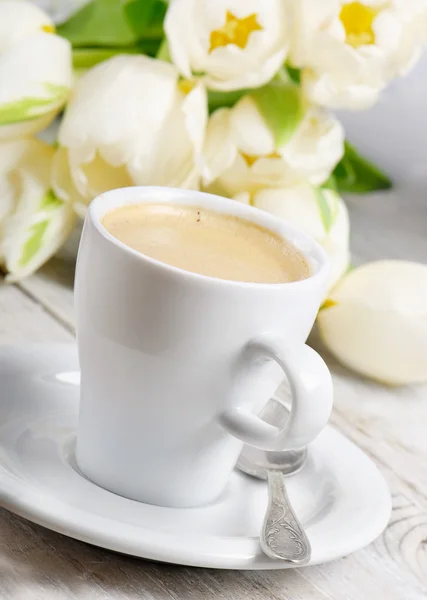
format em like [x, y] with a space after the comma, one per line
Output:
[340, 496]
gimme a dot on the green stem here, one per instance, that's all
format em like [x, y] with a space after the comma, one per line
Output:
[282, 76]
[85, 58]
[163, 51]
[154, 33]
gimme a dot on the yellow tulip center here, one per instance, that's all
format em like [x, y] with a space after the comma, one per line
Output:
[186, 85]
[358, 19]
[48, 28]
[250, 159]
[328, 303]
[234, 31]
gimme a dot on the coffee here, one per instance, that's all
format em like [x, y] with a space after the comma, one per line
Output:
[207, 242]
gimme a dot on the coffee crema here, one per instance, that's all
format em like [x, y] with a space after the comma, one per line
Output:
[207, 242]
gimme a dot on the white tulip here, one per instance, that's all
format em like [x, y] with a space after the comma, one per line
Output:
[34, 222]
[414, 35]
[350, 50]
[376, 321]
[300, 206]
[130, 121]
[35, 69]
[231, 44]
[240, 149]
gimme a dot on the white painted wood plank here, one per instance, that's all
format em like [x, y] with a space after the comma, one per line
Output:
[391, 423]
[41, 564]
[395, 565]
[45, 565]
[23, 320]
[52, 286]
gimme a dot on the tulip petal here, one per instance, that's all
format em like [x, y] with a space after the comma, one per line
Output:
[377, 324]
[18, 20]
[227, 82]
[27, 109]
[175, 159]
[31, 239]
[95, 116]
[219, 151]
[37, 77]
[34, 222]
[243, 197]
[325, 90]
[249, 129]
[24, 173]
[96, 175]
[62, 182]
[16, 131]
[316, 146]
[178, 33]
[195, 110]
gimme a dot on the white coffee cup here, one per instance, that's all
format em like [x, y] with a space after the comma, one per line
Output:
[174, 365]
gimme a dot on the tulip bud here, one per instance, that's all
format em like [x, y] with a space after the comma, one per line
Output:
[130, 121]
[375, 321]
[35, 69]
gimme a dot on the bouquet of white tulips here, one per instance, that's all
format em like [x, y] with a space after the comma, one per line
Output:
[229, 96]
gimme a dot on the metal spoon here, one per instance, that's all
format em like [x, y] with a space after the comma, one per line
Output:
[282, 535]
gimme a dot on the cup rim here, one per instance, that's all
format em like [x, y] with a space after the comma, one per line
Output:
[116, 198]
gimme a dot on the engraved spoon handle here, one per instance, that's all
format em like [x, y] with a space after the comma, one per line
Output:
[282, 535]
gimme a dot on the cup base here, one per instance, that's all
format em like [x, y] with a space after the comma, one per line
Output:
[180, 498]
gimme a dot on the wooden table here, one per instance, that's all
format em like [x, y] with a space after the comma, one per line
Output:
[390, 425]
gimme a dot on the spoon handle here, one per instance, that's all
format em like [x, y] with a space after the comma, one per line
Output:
[282, 535]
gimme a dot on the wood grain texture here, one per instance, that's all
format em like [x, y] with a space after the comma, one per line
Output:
[390, 424]
[22, 319]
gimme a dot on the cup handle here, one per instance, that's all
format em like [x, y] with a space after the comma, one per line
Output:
[311, 389]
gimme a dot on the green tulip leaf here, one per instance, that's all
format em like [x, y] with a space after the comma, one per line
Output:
[163, 52]
[281, 104]
[326, 214]
[224, 99]
[34, 242]
[50, 201]
[294, 74]
[138, 15]
[27, 109]
[146, 18]
[110, 23]
[86, 58]
[355, 174]
[330, 184]
[99, 23]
